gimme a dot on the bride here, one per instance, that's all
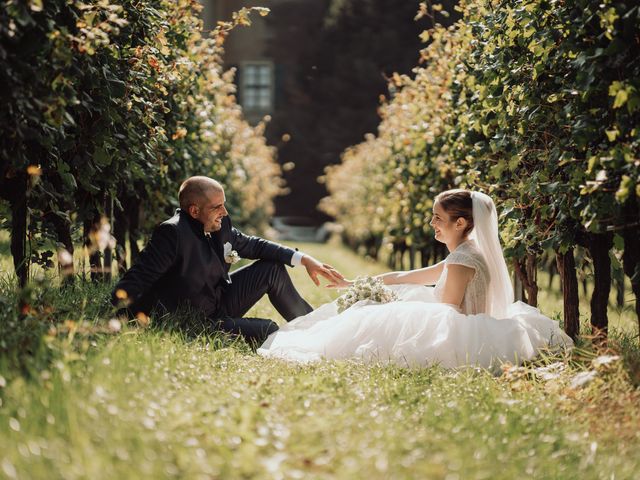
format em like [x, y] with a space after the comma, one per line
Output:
[468, 318]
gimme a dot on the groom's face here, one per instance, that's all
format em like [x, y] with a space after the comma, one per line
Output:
[211, 210]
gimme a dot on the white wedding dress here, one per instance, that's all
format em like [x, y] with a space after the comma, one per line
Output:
[417, 330]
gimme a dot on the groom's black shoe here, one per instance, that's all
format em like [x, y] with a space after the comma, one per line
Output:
[254, 330]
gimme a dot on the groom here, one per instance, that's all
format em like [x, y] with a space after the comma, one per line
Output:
[188, 258]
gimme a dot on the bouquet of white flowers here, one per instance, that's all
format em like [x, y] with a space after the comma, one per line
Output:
[366, 288]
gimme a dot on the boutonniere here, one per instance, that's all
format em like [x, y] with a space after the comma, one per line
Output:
[230, 255]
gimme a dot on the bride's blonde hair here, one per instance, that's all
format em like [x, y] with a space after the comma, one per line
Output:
[458, 204]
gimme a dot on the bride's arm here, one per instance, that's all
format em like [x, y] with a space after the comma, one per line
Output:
[420, 276]
[458, 277]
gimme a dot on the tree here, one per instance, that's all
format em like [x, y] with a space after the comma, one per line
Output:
[109, 106]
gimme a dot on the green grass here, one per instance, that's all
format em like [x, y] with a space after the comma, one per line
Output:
[145, 403]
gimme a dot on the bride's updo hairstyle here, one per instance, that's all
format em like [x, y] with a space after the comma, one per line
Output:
[458, 204]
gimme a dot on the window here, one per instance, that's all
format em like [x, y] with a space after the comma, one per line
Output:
[256, 91]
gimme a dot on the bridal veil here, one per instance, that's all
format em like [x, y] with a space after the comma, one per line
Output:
[485, 233]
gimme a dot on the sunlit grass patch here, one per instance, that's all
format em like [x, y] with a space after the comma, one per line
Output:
[149, 404]
[175, 400]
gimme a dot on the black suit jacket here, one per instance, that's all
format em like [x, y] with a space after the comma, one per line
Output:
[180, 264]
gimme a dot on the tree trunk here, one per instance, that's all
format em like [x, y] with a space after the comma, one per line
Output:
[518, 288]
[134, 228]
[569, 281]
[375, 249]
[631, 255]
[95, 259]
[399, 250]
[391, 260]
[618, 279]
[532, 275]
[526, 271]
[599, 246]
[108, 253]
[62, 227]
[372, 245]
[439, 252]
[120, 227]
[412, 257]
[19, 222]
[425, 257]
[552, 273]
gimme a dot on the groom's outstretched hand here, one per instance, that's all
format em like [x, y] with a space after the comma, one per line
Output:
[315, 268]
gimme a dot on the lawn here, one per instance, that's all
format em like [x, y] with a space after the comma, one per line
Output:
[150, 403]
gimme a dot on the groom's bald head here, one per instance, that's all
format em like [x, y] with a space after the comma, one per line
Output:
[195, 189]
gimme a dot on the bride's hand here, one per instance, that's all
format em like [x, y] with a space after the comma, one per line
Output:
[343, 283]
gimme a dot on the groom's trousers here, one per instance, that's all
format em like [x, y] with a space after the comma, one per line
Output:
[248, 285]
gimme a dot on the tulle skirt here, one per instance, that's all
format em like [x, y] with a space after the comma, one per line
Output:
[415, 331]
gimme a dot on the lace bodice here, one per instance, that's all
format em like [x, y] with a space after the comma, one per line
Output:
[475, 296]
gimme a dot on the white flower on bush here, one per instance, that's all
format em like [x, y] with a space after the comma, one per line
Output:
[603, 360]
[230, 255]
[366, 288]
[101, 237]
[583, 379]
[64, 257]
[550, 372]
[114, 325]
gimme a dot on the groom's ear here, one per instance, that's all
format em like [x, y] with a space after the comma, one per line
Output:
[193, 210]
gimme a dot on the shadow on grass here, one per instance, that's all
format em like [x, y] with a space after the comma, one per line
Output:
[192, 325]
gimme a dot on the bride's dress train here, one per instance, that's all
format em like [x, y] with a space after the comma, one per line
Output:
[416, 330]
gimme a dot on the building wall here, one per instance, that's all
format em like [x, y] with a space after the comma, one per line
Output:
[250, 46]
[280, 40]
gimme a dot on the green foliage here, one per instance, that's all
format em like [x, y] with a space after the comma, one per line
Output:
[542, 93]
[113, 100]
[535, 102]
[40, 324]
